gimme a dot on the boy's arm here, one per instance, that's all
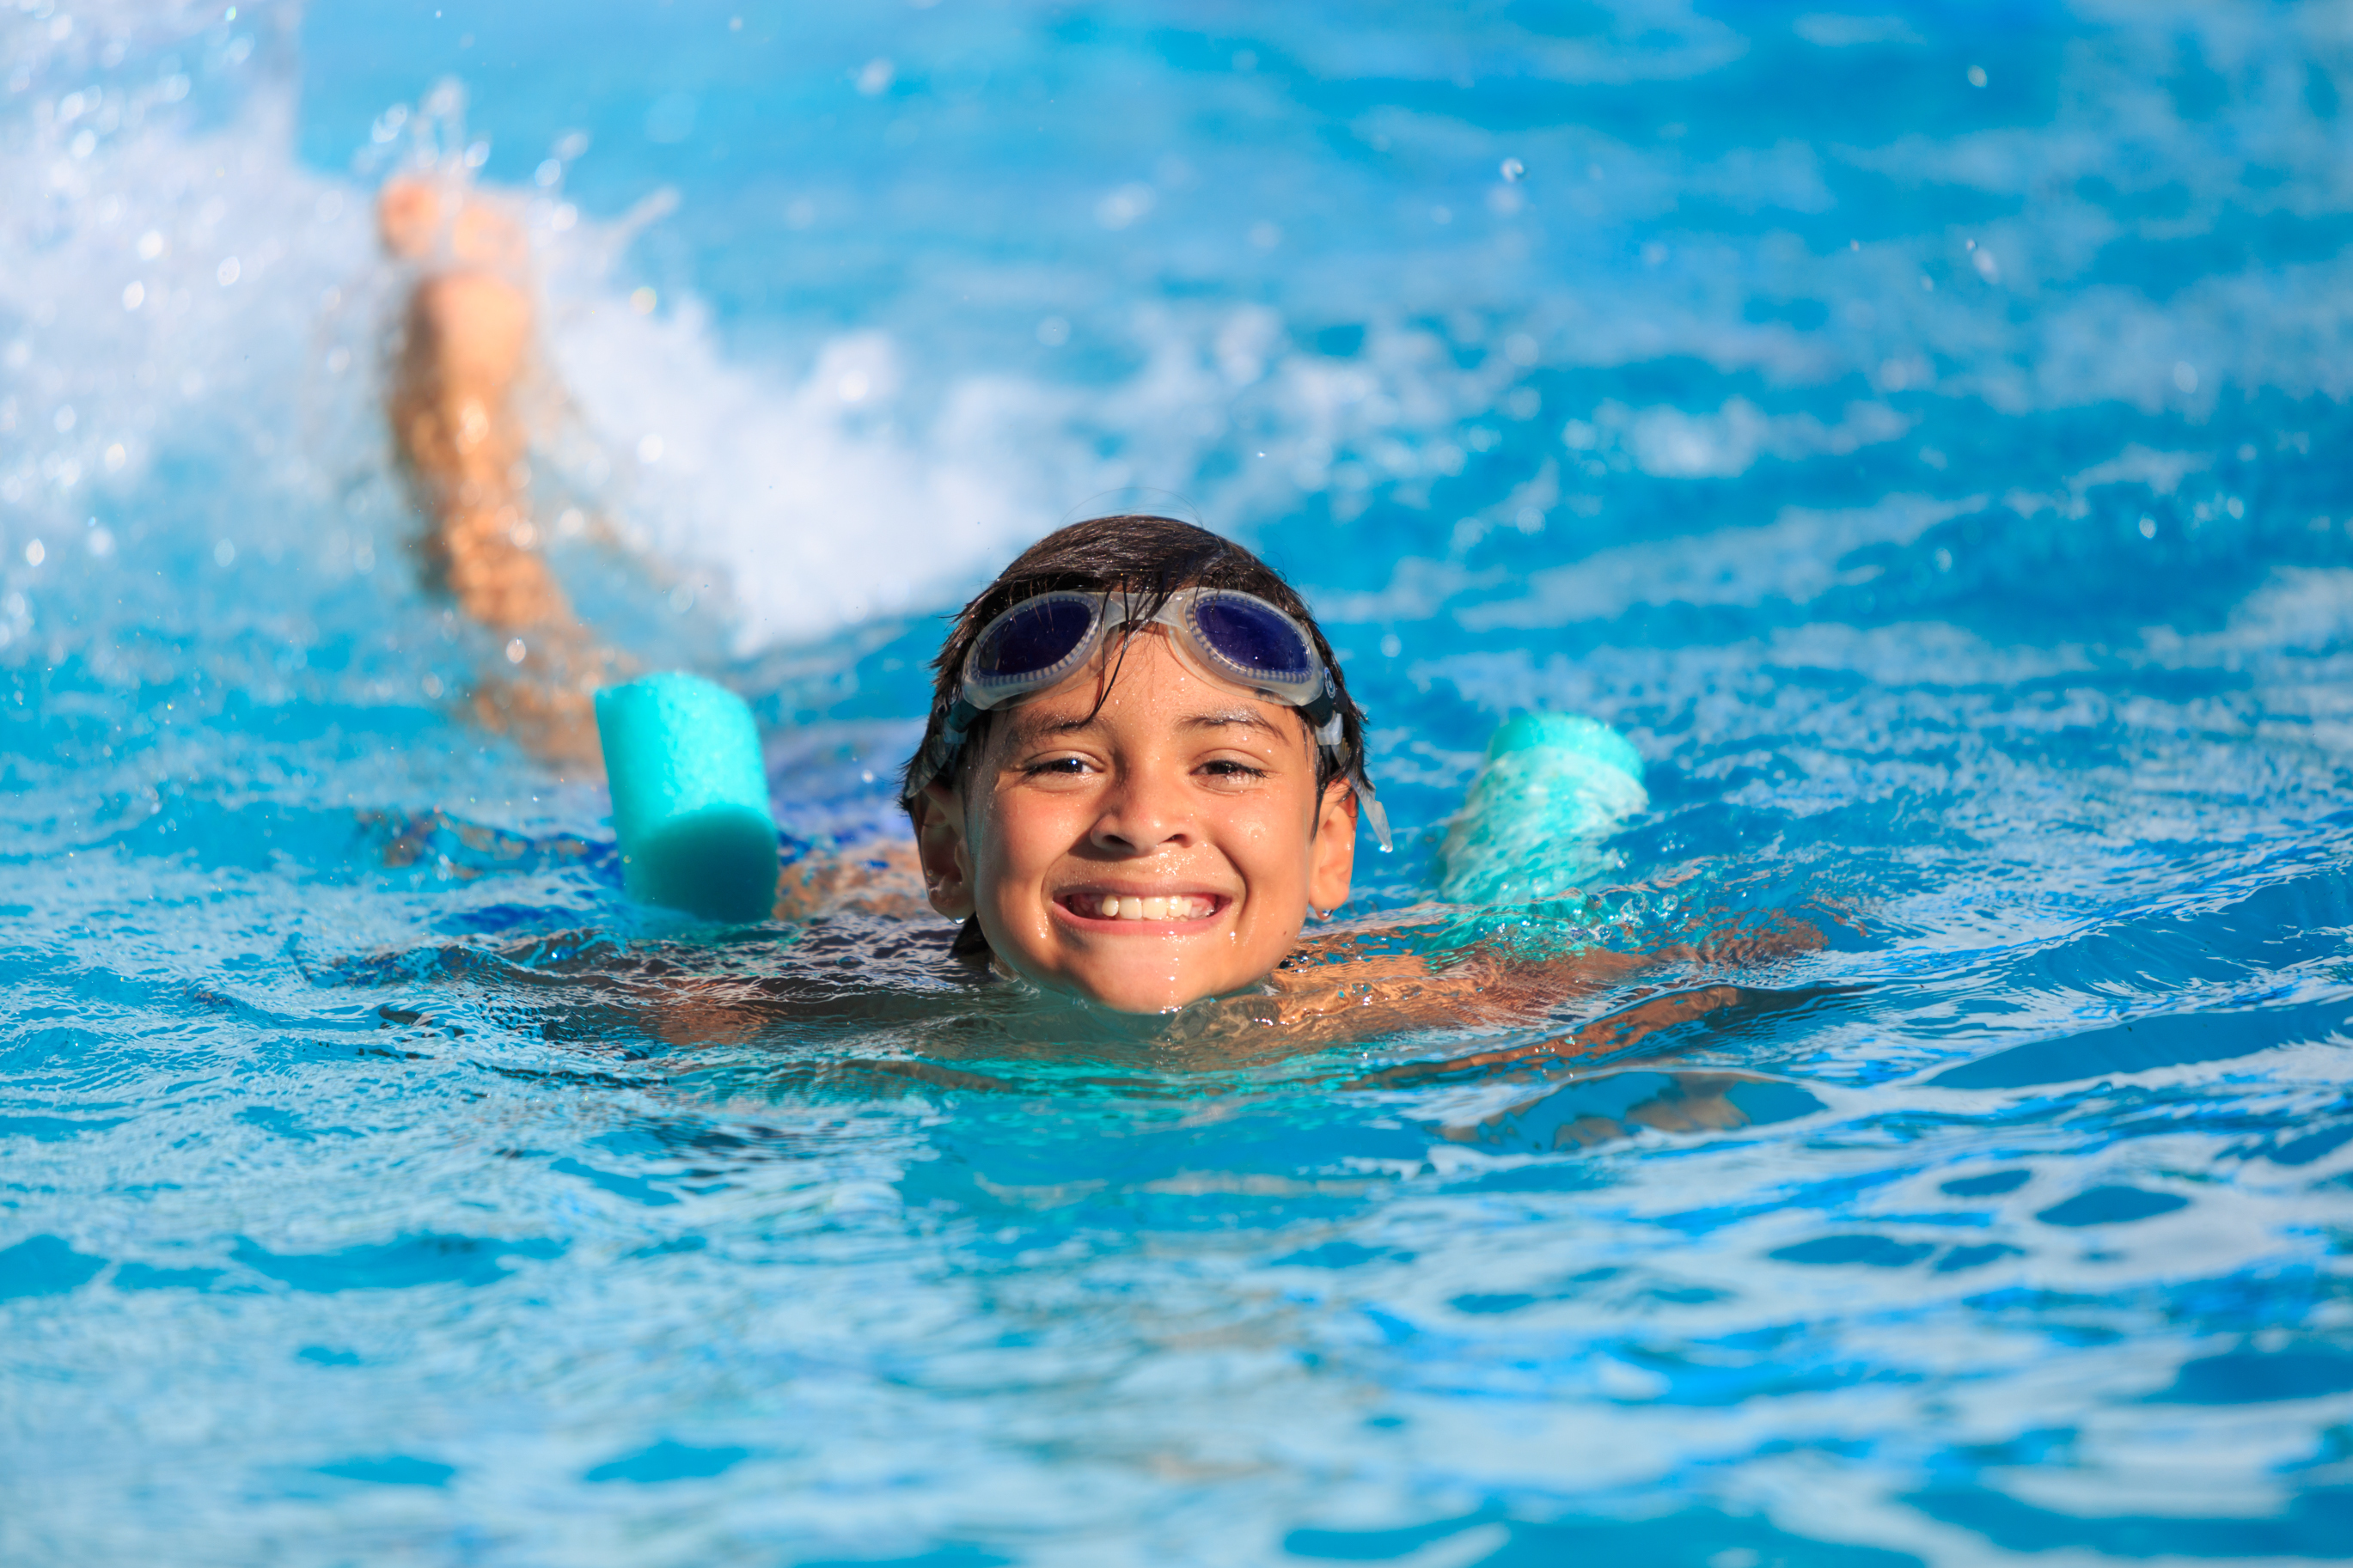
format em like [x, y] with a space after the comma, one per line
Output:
[1353, 996]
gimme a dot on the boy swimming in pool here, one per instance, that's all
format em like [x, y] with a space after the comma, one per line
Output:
[1142, 774]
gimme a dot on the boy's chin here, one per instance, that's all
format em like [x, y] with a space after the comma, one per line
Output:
[1146, 991]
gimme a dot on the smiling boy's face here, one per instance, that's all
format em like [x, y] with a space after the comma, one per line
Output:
[1163, 848]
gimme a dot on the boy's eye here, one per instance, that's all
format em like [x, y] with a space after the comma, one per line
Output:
[1227, 768]
[1058, 768]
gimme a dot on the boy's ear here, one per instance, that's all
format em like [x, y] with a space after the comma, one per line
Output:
[942, 850]
[1333, 848]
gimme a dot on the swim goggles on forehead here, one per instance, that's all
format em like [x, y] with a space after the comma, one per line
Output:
[1238, 638]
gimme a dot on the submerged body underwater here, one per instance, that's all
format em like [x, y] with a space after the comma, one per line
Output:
[1921, 433]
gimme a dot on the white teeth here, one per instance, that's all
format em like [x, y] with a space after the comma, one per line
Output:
[1172, 906]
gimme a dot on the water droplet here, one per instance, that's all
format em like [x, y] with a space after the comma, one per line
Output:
[2185, 376]
[228, 271]
[35, 554]
[516, 652]
[1513, 170]
[1976, 76]
[874, 78]
[1124, 205]
[223, 553]
[133, 296]
[2148, 528]
[649, 449]
[643, 301]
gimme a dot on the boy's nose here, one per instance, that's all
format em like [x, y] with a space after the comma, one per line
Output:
[1140, 814]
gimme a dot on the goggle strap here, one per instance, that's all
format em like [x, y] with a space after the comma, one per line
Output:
[1368, 806]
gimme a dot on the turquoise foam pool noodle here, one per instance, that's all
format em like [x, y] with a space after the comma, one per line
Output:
[690, 796]
[1534, 823]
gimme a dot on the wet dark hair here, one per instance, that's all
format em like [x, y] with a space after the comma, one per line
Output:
[1133, 552]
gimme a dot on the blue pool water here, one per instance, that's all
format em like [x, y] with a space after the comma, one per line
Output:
[1920, 427]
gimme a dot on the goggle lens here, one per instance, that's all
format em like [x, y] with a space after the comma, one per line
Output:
[1259, 640]
[1031, 639]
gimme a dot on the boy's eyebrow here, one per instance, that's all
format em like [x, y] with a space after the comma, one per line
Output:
[1218, 720]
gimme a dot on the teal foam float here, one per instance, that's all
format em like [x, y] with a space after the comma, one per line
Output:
[690, 796]
[1534, 824]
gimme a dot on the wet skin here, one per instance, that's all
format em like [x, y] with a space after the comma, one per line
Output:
[1141, 835]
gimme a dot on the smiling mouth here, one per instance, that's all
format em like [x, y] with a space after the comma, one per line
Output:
[1161, 908]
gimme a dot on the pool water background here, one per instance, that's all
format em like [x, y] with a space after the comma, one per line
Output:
[1941, 483]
